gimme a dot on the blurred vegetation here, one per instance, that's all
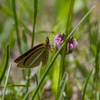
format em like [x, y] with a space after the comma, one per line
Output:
[58, 16]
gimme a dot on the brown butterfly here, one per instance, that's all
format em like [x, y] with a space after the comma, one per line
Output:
[34, 56]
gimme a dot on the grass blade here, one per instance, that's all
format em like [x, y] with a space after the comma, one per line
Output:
[86, 85]
[98, 95]
[3, 60]
[38, 79]
[35, 15]
[6, 81]
[16, 25]
[7, 60]
[26, 96]
[64, 96]
[68, 30]
[62, 85]
[37, 85]
[14, 85]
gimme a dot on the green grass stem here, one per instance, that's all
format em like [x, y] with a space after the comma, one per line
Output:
[84, 91]
[15, 85]
[64, 96]
[16, 25]
[98, 95]
[6, 64]
[62, 63]
[37, 85]
[33, 34]
[26, 95]
[6, 81]
[34, 21]
[62, 85]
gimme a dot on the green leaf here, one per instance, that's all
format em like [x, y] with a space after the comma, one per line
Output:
[84, 91]
[62, 85]
[7, 60]
[26, 95]
[55, 76]
[6, 81]
[15, 85]
[24, 46]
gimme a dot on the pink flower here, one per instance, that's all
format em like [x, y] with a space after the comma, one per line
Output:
[58, 40]
[72, 43]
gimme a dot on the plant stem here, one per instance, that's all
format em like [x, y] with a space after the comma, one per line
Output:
[6, 64]
[6, 81]
[16, 25]
[32, 42]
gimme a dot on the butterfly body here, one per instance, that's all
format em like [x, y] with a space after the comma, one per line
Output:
[34, 56]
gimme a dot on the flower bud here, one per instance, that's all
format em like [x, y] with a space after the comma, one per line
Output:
[58, 40]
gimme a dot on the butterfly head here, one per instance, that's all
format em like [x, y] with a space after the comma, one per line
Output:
[47, 40]
[47, 43]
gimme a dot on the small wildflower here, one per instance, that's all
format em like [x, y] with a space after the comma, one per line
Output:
[58, 40]
[72, 43]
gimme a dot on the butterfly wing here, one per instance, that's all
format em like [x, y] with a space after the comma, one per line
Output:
[45, 57]
[34, 59]
[28, 52]
[34, 56]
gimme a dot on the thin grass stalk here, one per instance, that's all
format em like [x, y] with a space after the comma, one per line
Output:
[62, 85]
[36, 82]
[62, 63]
[28, 80]
[39, 80]
[37, 85]
[26, 96]
[3, 60]
[33, 34]
[16, 25]
[6, 64]
[43, 31]
[84, 91]
[96, 74]
[6, 81]
[25, 41]
[97, 63]
[34, 21]
[57, 53]
[15, 85]
[64, 96]
[98, 95]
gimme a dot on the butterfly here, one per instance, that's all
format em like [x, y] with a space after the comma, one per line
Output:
[33, 57]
